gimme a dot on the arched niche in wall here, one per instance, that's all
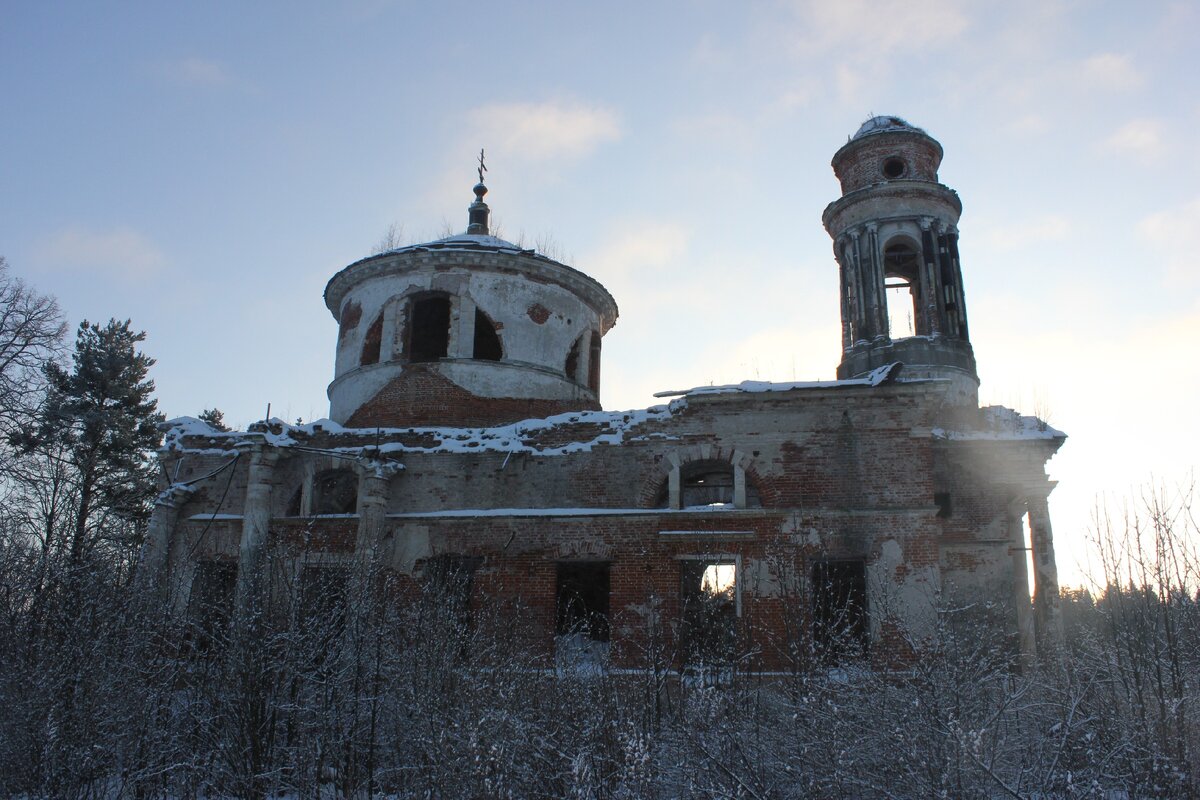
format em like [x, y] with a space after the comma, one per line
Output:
[571, 365]
[372, 342]
[487, 345]
[594, 363]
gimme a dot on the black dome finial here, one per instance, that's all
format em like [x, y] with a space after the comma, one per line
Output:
[477, 214]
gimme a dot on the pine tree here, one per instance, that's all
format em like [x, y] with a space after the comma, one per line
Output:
[215, 419]
[104, 417]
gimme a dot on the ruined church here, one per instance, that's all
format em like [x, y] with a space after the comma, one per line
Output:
[466, 449]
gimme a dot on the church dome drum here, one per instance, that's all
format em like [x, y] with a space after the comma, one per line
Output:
[466, 330]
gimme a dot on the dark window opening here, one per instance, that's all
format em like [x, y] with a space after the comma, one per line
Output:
[324, 592]
[452, 577]
[902, 290]
[708, 599]
[594, 363]
[942, 501]
[893, 168]
[210, 606]
[583, 598]
[487, 340]
[293, 505]
[706, 483]
[335, 491]
[372, 342]
[429, 328]
[572, 365]
[839, 608]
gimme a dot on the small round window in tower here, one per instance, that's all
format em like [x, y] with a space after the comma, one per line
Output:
[894, 168]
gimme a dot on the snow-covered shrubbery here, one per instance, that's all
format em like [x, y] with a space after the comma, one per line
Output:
[396, 693]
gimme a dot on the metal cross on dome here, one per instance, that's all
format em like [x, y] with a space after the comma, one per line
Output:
[482, 166]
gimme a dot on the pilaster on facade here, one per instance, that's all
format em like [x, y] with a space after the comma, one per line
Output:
[374, 478]
[1019, 548]
[256, 522]
[164, 520]
[1046, 599]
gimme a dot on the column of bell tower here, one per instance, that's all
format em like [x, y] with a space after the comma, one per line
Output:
[895, 234]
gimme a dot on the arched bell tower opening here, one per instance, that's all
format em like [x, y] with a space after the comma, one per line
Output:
[895, 232]
[902, 290]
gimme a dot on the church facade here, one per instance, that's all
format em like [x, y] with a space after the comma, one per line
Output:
[758, 524]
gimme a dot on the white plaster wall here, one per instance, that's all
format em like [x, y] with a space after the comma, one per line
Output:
[506, 299]
[911, 600]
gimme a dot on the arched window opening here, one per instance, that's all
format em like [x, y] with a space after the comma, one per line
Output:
[371, 343]
[335, 491]
[902, 290]
[429, 328]
[487, 340]
[706, 484]
[711, 484]
[572, 365]
[594, 363]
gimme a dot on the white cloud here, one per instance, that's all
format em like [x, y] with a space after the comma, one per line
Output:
[1112, 71]
[1175, 234]
[1141, 138]
[198, 72]
[882, 25]
[643, 250]
[543, 131]
[730, 130]
[120, 253]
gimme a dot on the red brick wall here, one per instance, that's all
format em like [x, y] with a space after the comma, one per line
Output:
[422, 397]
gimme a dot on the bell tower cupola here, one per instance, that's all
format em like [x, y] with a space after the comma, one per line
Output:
[895, 235]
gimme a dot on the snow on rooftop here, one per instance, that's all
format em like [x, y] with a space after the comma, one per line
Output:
[884, 374]
[883, 124]
[1002, 424]
[528, 436]
[464, 241]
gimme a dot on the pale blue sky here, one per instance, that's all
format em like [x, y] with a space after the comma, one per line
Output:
[204, 168]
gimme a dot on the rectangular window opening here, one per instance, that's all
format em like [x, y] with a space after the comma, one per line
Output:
[451, 576]
[582, 614]
[709, 600]
[210, 606]
[429, 329]
[944, 506]
[839, 609]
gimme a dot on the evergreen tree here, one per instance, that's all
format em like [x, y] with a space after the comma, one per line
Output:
[102, 415]
[215, 419]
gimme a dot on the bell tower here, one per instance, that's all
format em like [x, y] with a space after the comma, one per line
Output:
[895, 234]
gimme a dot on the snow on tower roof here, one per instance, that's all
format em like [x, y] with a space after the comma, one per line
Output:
[884, 124]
